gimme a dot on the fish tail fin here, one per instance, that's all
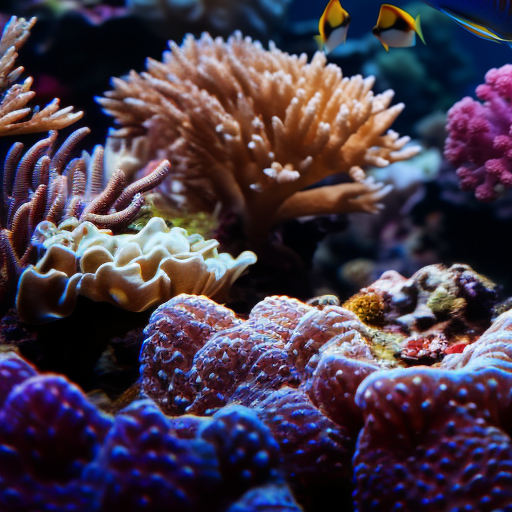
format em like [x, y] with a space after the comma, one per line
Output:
[417, 28]
[319, 41]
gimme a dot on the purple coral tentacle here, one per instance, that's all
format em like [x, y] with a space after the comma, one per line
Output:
[149, 182]
[118, 219]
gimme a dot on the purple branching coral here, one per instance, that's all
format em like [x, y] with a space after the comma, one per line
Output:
[479, 139]
[46, 183]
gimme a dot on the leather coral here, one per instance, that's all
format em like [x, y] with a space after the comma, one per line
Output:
[132, 271]
[255, 129]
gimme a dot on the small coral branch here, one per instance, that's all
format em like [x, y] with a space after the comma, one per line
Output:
[252, 128]
[45, 183]
[15, 97]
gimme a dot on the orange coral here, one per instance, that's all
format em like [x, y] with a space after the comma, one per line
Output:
[253, 129]
[14, 97]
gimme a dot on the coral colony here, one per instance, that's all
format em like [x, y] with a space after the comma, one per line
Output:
[130, 382]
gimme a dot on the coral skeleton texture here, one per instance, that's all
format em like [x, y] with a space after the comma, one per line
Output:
[255, 129]
[15, 97]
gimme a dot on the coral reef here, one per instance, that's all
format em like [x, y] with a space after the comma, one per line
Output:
[479, 141]
[439, 309]
[58, 451]
[396, 397]
[45, 183]
[15, 97]
[271, 125]
[434, 438]
[274, 362]
[292, 407]
[134, 272]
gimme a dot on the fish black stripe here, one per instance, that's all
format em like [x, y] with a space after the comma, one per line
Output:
[502, 6]
[401, 24]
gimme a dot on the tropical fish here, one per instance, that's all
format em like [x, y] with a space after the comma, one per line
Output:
[333, 26]
[489, 19]
[396, 28]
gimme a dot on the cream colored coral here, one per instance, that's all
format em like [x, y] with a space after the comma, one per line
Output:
[253, 128]
[15, 97]
[134, 272]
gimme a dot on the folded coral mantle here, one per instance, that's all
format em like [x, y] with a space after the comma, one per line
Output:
[134, 272]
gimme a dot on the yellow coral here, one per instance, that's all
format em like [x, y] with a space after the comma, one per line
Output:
[369, 307]
[254, 129]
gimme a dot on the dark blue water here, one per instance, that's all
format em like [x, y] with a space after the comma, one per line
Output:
[486, 54]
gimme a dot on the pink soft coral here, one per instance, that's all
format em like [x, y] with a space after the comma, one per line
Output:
[480, 136]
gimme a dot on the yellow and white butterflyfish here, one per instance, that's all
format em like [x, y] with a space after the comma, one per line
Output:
[333, 26]
[396, 28]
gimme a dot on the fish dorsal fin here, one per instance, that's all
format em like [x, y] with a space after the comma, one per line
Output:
[335, 14]
[474, 28]
[387, 17]
[417, 28]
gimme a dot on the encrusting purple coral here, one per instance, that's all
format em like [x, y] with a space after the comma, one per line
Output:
[60, 452]
[435, 439]
[264, 362]
[479, 139]
[298, 395]
[300, 368]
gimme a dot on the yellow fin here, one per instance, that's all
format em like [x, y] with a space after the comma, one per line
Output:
[336, 14]
[417, 28]
[387, 16]
[319, 41]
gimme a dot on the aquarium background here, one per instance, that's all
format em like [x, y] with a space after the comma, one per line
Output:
[166, 345]
[77, 46]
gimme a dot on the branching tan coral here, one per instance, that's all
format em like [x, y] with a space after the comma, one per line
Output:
[134, 272]
[253, 128]
[15, 97]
